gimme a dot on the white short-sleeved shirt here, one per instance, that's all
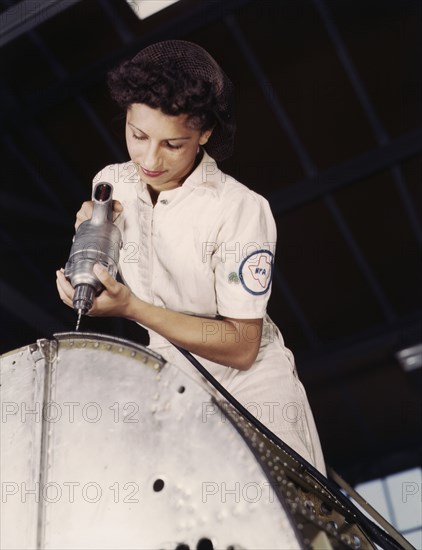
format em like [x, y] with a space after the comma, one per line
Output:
[207, 248]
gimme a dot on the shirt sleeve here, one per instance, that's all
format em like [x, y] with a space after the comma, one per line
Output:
[244, 256]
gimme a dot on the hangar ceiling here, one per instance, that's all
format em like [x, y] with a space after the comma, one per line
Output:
[329, 131]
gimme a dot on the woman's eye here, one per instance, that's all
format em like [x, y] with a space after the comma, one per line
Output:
[170, 146]
[138, 137]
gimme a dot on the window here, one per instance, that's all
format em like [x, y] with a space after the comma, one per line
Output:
[398, 498]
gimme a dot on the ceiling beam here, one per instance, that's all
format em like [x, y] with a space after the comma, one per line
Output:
[60, 72]
[27, 14]
[270, 95]
[379, 131]
[35, 138]
[353, 354]
[308, 164]
[46, 192]
[351, 71]
[184, 18]
[355, 169]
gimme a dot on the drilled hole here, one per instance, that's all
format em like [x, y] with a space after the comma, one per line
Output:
[181, 389]
[158, 485]
[325, 509]
[204, 544]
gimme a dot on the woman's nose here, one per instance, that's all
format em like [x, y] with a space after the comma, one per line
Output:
[152, 157]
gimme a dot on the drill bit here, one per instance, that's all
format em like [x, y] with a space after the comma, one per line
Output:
[82, 300]
[78, 322]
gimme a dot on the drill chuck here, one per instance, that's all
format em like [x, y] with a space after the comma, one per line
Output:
[96, 240]
[83, 298]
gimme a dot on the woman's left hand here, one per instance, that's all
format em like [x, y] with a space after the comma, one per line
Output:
[113, 300]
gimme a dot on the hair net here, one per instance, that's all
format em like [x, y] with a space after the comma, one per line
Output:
[194, 60]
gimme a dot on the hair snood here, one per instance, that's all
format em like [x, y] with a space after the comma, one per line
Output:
[180, 77]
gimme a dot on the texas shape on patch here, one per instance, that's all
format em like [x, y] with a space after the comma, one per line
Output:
[255, 271]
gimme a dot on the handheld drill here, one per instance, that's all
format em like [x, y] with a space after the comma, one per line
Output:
[96, 240]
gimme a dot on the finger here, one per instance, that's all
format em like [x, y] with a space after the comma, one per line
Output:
[117, 209]
[85, 213]
[117, 206]
[65, 289]
[64, 285]
[104, 276]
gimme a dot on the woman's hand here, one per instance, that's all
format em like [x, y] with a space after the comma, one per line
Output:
[85, 212]
[66, 290]
[113, 301]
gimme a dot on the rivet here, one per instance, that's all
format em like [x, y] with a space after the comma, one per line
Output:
[345, 538]
[356, 541]
[332, 526]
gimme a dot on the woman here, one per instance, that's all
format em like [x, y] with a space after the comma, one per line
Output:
[198, 254]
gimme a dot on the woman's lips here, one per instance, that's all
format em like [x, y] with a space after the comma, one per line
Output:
[151, 174]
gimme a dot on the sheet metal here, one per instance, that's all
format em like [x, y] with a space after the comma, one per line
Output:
[130, 453]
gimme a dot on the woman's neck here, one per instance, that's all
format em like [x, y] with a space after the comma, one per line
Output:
[154, 193]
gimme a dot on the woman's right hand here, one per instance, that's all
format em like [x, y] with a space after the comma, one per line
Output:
[85, 212]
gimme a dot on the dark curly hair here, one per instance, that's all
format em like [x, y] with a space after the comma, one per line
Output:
[180, 77]
[164, 88]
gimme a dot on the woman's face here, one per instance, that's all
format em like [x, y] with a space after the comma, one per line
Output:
[162, 146]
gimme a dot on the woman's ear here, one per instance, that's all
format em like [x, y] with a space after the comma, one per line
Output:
[205, 136]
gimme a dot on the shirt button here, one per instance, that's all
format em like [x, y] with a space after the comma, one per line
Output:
[164, 201]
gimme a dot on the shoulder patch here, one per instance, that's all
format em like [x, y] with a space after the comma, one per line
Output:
[256, 270]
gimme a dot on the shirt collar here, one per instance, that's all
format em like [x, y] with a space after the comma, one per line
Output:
[206, 175]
